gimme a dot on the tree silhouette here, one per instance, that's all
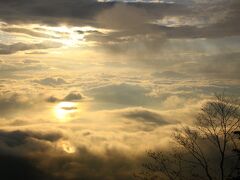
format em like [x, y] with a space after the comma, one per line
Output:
[208, 149]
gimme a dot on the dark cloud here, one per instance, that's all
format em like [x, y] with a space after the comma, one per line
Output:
[78, 11]
[13, 48]
[144, 115]
[136, 19]
[136, 33]
[209, 26]
[141, 28]
[18, 152]
[52, 99]
[220, 66]
[170, 75]
[86, 165]
[217, 87]
[30, 61]
[15, 167]
[72, 96]
[121, 94]
[69, 108]
[51, 12]
[51, 81]
[40, 160]
[115, 165]
[17, 138]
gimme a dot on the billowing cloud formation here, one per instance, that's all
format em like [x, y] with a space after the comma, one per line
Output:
[84, 12]
[121, 94]
[34, 161]
[72, 96]
[52, 99]
[7, 67]
[144, 27]
[144, 115]
[17, 138]
[170, 74]
[51, 81]
[49, 12]
[10, 103]
[145, 66]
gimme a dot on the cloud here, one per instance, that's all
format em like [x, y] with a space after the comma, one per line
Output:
[19, 151]
[72, 96]
[142, 32]
[175, 102]
[69, 108]
[13, 48]
[164, 57]
[21, 167]
[121, 94]
[51, 12]
[144, 115]
[7, 67]
[17, 138]
[26, 31]
[52, 99]
[129, 20]
[11, 103]
[218, 21]
[51, 81]
[30, 61]
[169, 75]
[219, 66]
[137, 16]
[178, 21]
[36, 52]
[37, 155]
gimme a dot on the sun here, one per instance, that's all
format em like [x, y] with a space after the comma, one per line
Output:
[73, 39]
[63, 110]
[68, 36]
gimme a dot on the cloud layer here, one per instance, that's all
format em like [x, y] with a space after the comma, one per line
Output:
[87, 86]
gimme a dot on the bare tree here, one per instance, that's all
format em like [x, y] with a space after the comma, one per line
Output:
[209, 149]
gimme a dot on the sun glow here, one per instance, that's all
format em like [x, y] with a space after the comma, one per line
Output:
[72, 36]
[66, 147]
[63, 110]
[69, 36]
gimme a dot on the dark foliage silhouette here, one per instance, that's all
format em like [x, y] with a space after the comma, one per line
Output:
[208, 149]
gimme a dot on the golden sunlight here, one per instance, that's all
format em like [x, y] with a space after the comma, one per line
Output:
[63, 110]
[84, 82]
[69, 36]
[67, 147]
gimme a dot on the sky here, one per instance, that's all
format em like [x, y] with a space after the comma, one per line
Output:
[87, 87]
